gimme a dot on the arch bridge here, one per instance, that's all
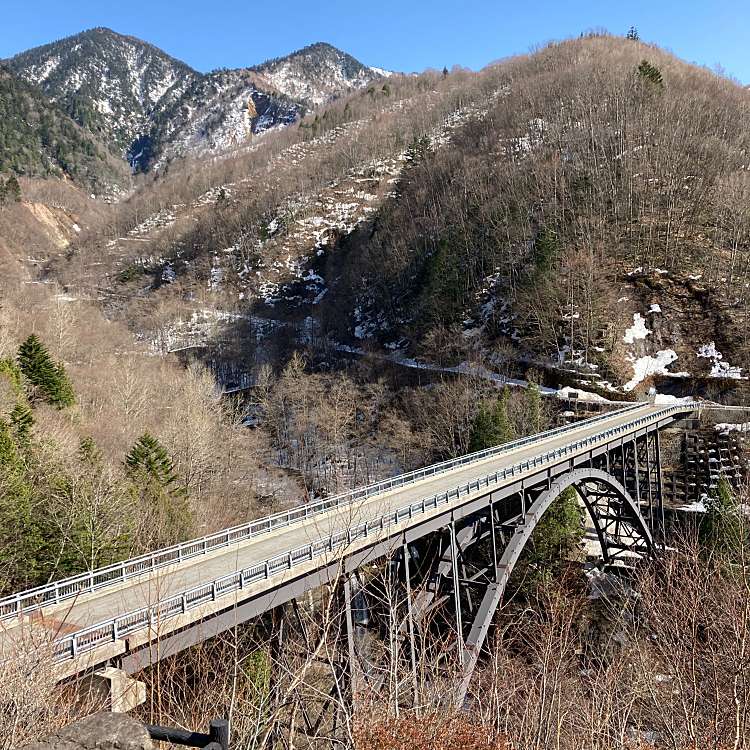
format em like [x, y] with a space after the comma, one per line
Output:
[129, 615]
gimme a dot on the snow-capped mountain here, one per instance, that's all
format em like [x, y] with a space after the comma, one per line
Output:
[316, 74]
[151, 108]
[107, 82]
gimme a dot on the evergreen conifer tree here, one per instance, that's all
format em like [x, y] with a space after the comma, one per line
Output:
[22, 420]
[533, 406]
[505, 429]
[650, 73]
[723, 527]
[154, 480]
[558, 533]
[49, 380]
[632, 34]
[148, 456]
[483, 430]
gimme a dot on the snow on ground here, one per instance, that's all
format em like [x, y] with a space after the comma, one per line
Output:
[568, 392]
[665, 398]
[637, 331]
[655, 308]
[726, 427]
[699, 506]
[719, 367]
[643, 367]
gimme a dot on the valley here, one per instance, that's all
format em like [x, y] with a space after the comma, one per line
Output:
[233, 295]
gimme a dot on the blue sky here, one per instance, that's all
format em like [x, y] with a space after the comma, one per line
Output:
[405, 35]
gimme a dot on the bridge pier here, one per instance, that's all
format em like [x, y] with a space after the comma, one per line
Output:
[120, 692]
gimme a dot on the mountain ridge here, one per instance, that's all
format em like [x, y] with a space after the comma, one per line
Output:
[151, 107]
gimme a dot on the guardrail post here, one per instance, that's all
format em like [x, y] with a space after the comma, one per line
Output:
[218, 731]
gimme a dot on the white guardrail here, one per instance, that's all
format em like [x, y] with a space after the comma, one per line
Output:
[109, 631]
[68, 588]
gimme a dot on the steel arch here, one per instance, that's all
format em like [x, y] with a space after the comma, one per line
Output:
[619, 525]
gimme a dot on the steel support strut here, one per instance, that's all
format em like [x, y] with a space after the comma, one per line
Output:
[410, 617]
[659, 488]
[353, 667]
[456, 590]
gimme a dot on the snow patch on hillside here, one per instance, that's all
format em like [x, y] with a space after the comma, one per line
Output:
[637, 331]
[719, 367]
[644, 367]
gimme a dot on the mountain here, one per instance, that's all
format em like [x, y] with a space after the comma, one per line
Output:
[557, 209]
[316, 74]
[151, 108]
[224, 108]
[107, 82]
[38, 139]
[216, 112]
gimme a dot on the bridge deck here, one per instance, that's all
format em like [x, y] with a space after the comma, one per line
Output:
[146, 590]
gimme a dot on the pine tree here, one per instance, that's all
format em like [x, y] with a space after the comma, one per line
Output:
[533, 406]
[492, 425]
[723, 527]
[632, 34]
[48, 380]
[558, 533]
[154, 482]
[650, 73]
[445, 72]
[22, 420]
[505, 429]
[148, 456]
[483, 430]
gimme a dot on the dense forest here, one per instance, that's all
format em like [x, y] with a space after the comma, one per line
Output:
[39, 139]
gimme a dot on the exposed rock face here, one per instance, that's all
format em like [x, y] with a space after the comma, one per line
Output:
[103, 731]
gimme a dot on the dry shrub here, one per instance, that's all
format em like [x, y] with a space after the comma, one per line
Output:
[31, 705]
[430, 731]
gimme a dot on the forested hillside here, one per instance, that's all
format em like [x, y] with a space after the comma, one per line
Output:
[327, 275]
[610, 182]
[582, 208]
[39, 139]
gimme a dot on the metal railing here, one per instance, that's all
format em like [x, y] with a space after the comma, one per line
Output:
[217, 737]
[111, 630]
[68, 588]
